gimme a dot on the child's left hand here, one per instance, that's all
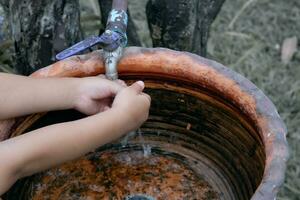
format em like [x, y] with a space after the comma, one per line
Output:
[95, 94]
[23, 95]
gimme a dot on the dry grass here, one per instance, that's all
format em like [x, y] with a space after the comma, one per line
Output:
[250, 44]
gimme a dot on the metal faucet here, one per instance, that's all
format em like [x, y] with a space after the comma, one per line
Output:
[111, 62]
[113, 40]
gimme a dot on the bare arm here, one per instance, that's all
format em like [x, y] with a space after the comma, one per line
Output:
[46, 147]
[21, 95]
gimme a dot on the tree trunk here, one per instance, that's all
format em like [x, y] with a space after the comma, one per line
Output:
[133, 38]
[182, 24]
[40, 29]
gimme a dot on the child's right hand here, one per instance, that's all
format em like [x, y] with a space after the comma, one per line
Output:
[133, 105]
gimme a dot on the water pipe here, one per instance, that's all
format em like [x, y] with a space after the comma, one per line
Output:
[113, 40]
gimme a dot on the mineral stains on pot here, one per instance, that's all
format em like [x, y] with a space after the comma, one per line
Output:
[122, 175]
[219, 125]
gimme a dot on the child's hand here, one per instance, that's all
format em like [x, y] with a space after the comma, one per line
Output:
[95, 94]
[133, 105]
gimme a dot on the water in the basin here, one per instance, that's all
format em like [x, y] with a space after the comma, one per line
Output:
[109, 175]
[139, 197]
[131, 169]
[146, 147]
[127, 137]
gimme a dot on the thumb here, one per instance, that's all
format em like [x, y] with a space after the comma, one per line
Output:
[138, 86]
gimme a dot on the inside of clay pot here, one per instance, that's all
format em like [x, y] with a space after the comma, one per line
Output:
[195, 145]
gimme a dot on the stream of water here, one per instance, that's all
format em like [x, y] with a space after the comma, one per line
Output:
[146, 148]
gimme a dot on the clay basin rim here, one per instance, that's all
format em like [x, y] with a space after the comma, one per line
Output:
[188, 68]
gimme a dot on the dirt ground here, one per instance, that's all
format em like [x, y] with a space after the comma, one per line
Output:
[247, 36]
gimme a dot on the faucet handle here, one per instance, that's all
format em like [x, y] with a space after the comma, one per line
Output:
[109, 40]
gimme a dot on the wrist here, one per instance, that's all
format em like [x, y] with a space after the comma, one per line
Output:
[73, 92]
[123, 118]
[54, 93]
[130, 119]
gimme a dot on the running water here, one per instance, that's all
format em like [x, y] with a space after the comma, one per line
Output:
[127, 137]
[146, 147]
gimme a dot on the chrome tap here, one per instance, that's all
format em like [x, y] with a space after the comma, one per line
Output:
[117, 22]
[111, 62]
[113, 40]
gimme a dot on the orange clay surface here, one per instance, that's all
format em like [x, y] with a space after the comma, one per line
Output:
[117, 175]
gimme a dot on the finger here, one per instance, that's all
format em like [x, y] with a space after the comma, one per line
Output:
[106, 108]
[114, 88]
[101, 106]
[138, 86]
[101, 76]
[91, 108]
[147, 96]
[106, 102]
[121, 82]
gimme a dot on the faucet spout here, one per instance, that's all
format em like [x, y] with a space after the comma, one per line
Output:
[111, 62]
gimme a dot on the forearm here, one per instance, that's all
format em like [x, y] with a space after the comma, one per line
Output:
[22, 95]
[47, 147]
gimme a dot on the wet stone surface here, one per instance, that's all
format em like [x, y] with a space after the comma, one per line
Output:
[122, 175]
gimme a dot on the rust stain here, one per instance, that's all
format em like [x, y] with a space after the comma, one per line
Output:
[117, 175]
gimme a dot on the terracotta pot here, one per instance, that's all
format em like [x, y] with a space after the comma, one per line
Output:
[216, 122]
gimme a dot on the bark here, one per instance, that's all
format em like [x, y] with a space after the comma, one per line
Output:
[133, 38]
[40, 29]
[5, 5]
[182, 24]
